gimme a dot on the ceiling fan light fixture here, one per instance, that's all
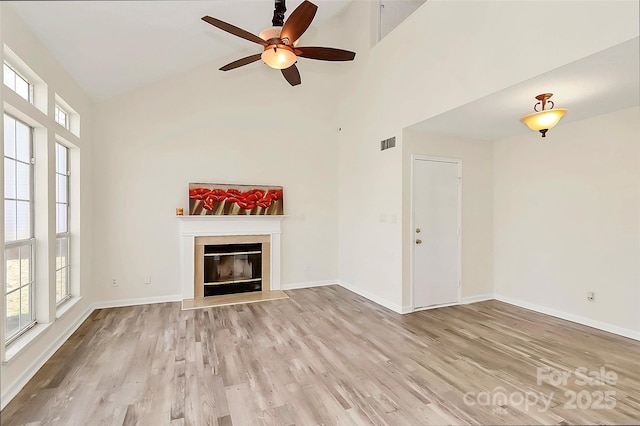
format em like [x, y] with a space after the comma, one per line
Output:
[279, 56]
[544, 119]
[278, 42]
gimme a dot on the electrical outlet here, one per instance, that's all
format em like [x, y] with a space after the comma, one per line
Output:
[307, 268]
[114, 283]
[590, 296]
[147, 279]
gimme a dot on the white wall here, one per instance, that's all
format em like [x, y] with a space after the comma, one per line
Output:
[446, 54]
[21, 41]
[247, 126]
[477, 207]
[567, 220]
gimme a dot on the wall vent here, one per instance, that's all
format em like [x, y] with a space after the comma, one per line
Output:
[388, 143]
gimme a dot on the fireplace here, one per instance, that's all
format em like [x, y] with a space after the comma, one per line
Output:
[198, 232]
[231, 264]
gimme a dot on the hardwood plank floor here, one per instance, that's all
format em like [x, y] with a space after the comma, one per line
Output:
[328, 356]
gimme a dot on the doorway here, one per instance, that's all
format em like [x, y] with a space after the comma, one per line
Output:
[436, 185]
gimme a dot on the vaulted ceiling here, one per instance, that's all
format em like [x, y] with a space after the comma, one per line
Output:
[111, 47]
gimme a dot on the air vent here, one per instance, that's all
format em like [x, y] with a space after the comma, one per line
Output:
[388, 143]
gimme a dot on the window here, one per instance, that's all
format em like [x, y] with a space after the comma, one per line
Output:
[17, 83]
[62, 223]
[61, 117]
[18, 227]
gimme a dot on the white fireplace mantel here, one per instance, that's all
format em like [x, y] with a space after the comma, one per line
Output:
[213, 226]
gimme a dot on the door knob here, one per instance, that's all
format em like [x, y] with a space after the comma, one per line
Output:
[418, 241]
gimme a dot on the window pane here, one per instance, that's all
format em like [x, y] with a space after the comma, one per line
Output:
[25, 263]
[62, 290]
[61, 252]
[64, 153]
[10, 221]
[61, 117]
[61, 159]
[58, 254]
[59, 285]
[61, 188]
[23, 142]
[61, 218]
[9, 137]
[25, 305]
[13, 313]
[23, 181]
[12, 268]
[9, 178]
[65, 281]
[9, 76]
[22, 87]
[23, 221]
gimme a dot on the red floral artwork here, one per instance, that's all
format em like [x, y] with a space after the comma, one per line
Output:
[210, 199]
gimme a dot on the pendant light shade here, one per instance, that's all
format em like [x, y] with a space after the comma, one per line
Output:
[544, 119]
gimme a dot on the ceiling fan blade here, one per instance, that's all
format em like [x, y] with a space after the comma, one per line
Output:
[292, 75]
[232, 29]
[324, 53]
[241, 62]
[298, 21]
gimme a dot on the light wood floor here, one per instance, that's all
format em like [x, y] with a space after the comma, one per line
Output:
[326, 356]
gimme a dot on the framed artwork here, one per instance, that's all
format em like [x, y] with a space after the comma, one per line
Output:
[223, 199]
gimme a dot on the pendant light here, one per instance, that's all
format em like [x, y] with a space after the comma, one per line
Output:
[544, 119]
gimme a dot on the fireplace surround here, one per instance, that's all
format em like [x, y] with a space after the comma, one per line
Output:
[196, 232]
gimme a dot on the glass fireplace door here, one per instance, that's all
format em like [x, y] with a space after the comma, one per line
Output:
[232, 268]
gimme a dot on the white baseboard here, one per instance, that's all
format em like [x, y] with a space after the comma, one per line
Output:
[374, 298]
[308, 284]
[477, 298]
[17, 386]
[138, 301]
[621, 331]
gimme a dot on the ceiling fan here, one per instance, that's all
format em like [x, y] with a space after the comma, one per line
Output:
[280, 41]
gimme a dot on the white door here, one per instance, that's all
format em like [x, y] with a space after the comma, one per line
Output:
[436, 212]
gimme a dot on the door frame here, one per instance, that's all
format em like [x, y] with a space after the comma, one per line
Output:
[458, 161]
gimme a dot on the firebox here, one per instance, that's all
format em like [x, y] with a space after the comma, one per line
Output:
[231, 264]
[232, 268]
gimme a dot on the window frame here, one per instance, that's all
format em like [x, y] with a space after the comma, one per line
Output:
[21, 243]
[67, 234]
[18, 74]
[67, 116]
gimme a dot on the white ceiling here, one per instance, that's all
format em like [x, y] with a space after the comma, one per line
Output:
[604, 82]
[111, 47]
